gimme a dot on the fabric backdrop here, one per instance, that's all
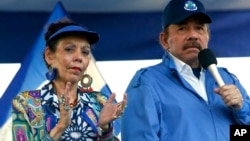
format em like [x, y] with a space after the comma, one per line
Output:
[124, 36]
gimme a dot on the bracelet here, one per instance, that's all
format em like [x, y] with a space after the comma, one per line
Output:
[101, 132]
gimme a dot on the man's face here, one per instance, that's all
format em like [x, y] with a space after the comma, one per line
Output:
[186, 39]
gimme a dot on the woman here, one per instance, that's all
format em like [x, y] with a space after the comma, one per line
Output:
[65, 109]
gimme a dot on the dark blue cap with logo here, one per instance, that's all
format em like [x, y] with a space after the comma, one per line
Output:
[179, 10]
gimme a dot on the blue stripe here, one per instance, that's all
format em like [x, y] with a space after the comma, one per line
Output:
[127, 36]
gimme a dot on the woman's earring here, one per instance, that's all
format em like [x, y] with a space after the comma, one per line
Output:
[86, 83]
[51, 74]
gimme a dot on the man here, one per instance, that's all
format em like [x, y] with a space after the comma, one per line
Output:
[177, 99]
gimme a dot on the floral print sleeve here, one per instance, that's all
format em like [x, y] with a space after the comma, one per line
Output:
[26, 119]
[20, 127]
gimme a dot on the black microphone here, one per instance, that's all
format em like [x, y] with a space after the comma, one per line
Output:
[208, 61]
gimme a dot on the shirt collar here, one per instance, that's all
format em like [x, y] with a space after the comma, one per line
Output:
[182, 67]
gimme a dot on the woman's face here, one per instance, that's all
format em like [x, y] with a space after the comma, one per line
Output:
[71, 58]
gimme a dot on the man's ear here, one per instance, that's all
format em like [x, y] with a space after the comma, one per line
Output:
[48, 55]
[163, 40]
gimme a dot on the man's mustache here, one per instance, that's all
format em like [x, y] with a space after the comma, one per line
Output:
[192, 45]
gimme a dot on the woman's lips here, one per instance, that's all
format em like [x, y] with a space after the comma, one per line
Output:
[76, 68]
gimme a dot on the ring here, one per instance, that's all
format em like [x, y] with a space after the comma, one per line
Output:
[66, 108]
[119, 104]
[62, 100]
[116, 117]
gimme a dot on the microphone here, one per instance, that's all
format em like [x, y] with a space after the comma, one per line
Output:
[208, 61]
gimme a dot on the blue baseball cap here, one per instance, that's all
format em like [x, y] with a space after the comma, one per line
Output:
[179, 10]
[91, 36]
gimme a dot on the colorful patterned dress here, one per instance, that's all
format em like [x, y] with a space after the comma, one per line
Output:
[35, 114]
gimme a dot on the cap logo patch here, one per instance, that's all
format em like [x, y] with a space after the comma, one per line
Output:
[190, 6]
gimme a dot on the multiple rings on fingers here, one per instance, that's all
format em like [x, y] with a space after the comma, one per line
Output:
[120, 110]
[120, 104]
[116, 117]
[62, 101]
[119, 115]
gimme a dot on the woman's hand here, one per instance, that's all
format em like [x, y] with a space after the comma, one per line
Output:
[65, 113]
[111, 111]
[65, 110]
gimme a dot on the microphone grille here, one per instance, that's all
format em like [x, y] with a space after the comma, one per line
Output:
[206, 58]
